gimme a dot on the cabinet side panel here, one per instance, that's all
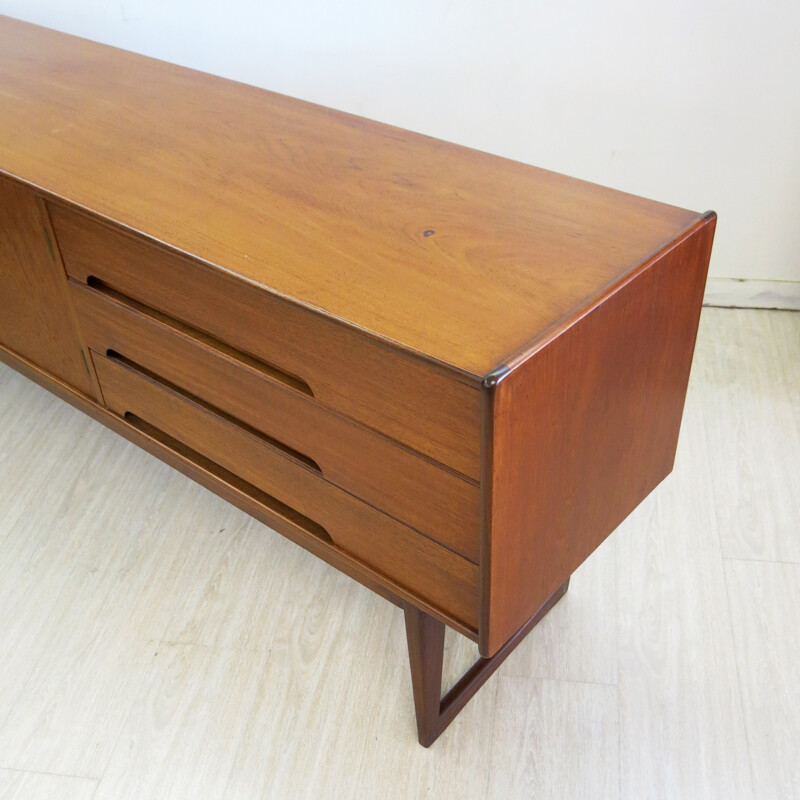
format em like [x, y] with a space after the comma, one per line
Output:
[35, 318]
[584, 429]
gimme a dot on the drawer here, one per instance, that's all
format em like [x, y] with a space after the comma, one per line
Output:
[395, 479]
[410, 400]
[295, 490]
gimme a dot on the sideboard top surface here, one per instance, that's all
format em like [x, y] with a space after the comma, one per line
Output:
[460, 256]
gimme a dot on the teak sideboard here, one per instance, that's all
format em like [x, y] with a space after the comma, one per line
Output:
[447, 374]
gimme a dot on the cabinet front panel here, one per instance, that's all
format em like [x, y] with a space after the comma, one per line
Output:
[392, 478]
[35, 320]
[405, 398]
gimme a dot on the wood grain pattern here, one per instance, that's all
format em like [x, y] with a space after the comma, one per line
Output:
[392, 478]
[760, 444]
[334, 694]
[508, 327]
[35, 546]
[767, 643]
[203, 755]
[425, 568]
[400, 396]
[443, 250]
[113, 606]
[681, 727]
[539, 721]
[583, 430]
[35, 320]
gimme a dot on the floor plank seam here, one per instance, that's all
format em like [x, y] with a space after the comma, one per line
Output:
[608, 684]
[52, 774]
[616, 663]
[739, 684]
[492, 742]
[23, 685]
[547, 679]
[175, 643]
[785, 378]
[751, 309]
[219, 648]
[722, 559]
[762, 561]
[619, 748]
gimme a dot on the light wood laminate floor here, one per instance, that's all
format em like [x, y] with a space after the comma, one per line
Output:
[156, 643]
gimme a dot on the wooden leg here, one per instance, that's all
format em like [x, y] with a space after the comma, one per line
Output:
[425, 637]
[425, 654]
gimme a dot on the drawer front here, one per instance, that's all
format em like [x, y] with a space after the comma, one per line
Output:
[351, 373]
[394, 479]
[296, 490]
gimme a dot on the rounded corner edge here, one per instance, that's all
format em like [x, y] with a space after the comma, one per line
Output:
[491, 380]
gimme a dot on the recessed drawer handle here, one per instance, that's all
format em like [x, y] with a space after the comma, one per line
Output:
[253, 492]
[112, 355]
[270, 370]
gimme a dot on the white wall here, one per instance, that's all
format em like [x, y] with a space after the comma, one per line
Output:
[693, 102]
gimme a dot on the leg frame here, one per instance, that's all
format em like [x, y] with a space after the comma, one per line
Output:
[425, 654]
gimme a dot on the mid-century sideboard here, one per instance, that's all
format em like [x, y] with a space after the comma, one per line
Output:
[447, 374]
